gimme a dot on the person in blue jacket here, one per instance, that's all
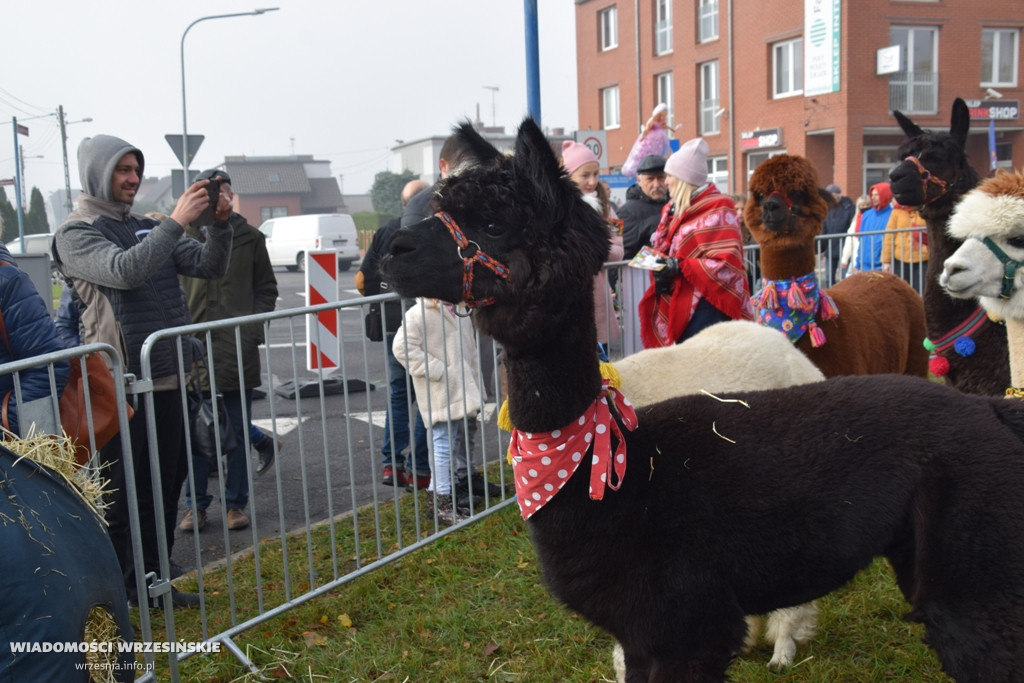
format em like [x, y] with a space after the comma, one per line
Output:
[26, 330]
[873, 222]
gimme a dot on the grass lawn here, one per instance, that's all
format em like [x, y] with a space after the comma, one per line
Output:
[472, 607]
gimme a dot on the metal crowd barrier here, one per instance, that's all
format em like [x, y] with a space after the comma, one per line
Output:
[323, 489]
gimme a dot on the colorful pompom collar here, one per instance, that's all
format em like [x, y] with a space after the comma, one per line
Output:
[791, 306]
[958, 339]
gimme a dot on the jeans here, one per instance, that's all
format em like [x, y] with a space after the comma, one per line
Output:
[236, 483]
[453, 442]
[396, 447]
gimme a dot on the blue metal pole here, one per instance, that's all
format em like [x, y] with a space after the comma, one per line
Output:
[532, 60]
[17, 182]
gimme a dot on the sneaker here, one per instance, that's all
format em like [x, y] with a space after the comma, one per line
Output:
[463, 502]
[237, 519]
[480, 485]
[265, 449]
[389, 476]
[417, 482]
[188, 522]
[177, 570]
[447, 513]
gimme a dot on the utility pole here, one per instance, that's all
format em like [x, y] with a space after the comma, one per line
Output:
[64, 147]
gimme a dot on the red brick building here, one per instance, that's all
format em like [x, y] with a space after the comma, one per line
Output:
[808, 77]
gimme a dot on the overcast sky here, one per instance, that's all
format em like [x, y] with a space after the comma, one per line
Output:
[337, 79]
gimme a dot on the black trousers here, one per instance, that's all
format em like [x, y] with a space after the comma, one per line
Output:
[173, 469]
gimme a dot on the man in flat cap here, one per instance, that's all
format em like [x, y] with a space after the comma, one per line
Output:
[249, 287]
[644, 200]
[640, 215]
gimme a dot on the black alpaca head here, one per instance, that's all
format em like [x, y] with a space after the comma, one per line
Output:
[523, 214]
[933, 172]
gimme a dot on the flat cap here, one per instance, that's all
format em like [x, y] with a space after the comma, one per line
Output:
[652, 163]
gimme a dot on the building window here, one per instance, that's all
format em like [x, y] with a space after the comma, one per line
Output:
[709, 110]
[610, 107]
[999, 56]
[915, 90]
[718, 171]
[878, 161]
[609, 20]
[707, 20]
[663, 93]
[788, 68]
[662, 27]
[755, 159]
[268, 212]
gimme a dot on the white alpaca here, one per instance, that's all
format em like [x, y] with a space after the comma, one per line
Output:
[727, 357]
[992, 215]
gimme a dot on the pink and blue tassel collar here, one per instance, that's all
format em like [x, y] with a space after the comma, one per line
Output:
[791, 305]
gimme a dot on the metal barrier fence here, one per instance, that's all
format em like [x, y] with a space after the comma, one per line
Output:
[320, 517]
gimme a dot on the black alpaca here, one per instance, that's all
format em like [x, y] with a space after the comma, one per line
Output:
[934, 175]
[724, 508]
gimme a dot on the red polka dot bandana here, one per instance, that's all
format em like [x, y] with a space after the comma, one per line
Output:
[543, 462]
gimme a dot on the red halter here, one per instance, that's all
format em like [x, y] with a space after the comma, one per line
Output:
[927, 178]
[470, 253]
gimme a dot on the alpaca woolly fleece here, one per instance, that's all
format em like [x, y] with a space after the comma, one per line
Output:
[575, 154]
[690, 163]
[995, 208]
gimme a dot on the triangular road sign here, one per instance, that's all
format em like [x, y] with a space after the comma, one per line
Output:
[194, 141]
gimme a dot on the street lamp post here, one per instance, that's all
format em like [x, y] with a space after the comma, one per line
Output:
[184, 116]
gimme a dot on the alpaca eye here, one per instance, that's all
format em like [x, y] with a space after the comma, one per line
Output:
[1016, 242]
[494, 230]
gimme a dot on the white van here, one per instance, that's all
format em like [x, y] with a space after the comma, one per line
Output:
[290, 237]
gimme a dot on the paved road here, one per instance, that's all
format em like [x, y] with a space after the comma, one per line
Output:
[302, 482]
[322, 480]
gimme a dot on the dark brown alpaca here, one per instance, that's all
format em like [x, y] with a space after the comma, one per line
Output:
[666, 534]
[880, 323]
[934, 175]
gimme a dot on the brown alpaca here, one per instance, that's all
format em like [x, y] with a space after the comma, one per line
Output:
[869, 323]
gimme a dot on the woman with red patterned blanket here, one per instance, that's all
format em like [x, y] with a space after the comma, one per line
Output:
[699, 243]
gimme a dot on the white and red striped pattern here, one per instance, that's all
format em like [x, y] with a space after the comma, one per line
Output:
[322, 329]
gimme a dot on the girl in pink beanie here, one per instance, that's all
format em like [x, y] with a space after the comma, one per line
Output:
[583, 168]
[703, 281]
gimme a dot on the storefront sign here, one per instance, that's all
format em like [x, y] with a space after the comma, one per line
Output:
[760, 139]
[998, 110]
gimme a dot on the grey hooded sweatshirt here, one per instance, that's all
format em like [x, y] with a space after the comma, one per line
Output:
[125, 287]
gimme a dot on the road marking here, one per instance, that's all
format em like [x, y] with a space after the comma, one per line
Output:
[283, 424]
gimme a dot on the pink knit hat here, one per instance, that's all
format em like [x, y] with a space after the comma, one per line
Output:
[575, 155]
[690, 163]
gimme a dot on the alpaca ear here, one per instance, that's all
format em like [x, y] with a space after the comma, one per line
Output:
[909, 127]
[960, 122]
[483, 151]
[533, 150]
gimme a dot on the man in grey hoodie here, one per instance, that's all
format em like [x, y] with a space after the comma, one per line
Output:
[126, 288]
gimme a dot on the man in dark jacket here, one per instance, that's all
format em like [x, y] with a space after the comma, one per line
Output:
[248, 288]
[837, 222]
[405, 462]
[126, 288]
[642, 210]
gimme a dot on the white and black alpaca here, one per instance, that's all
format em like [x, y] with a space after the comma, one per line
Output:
[934, 174]
[989, 265]
[667, 534]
